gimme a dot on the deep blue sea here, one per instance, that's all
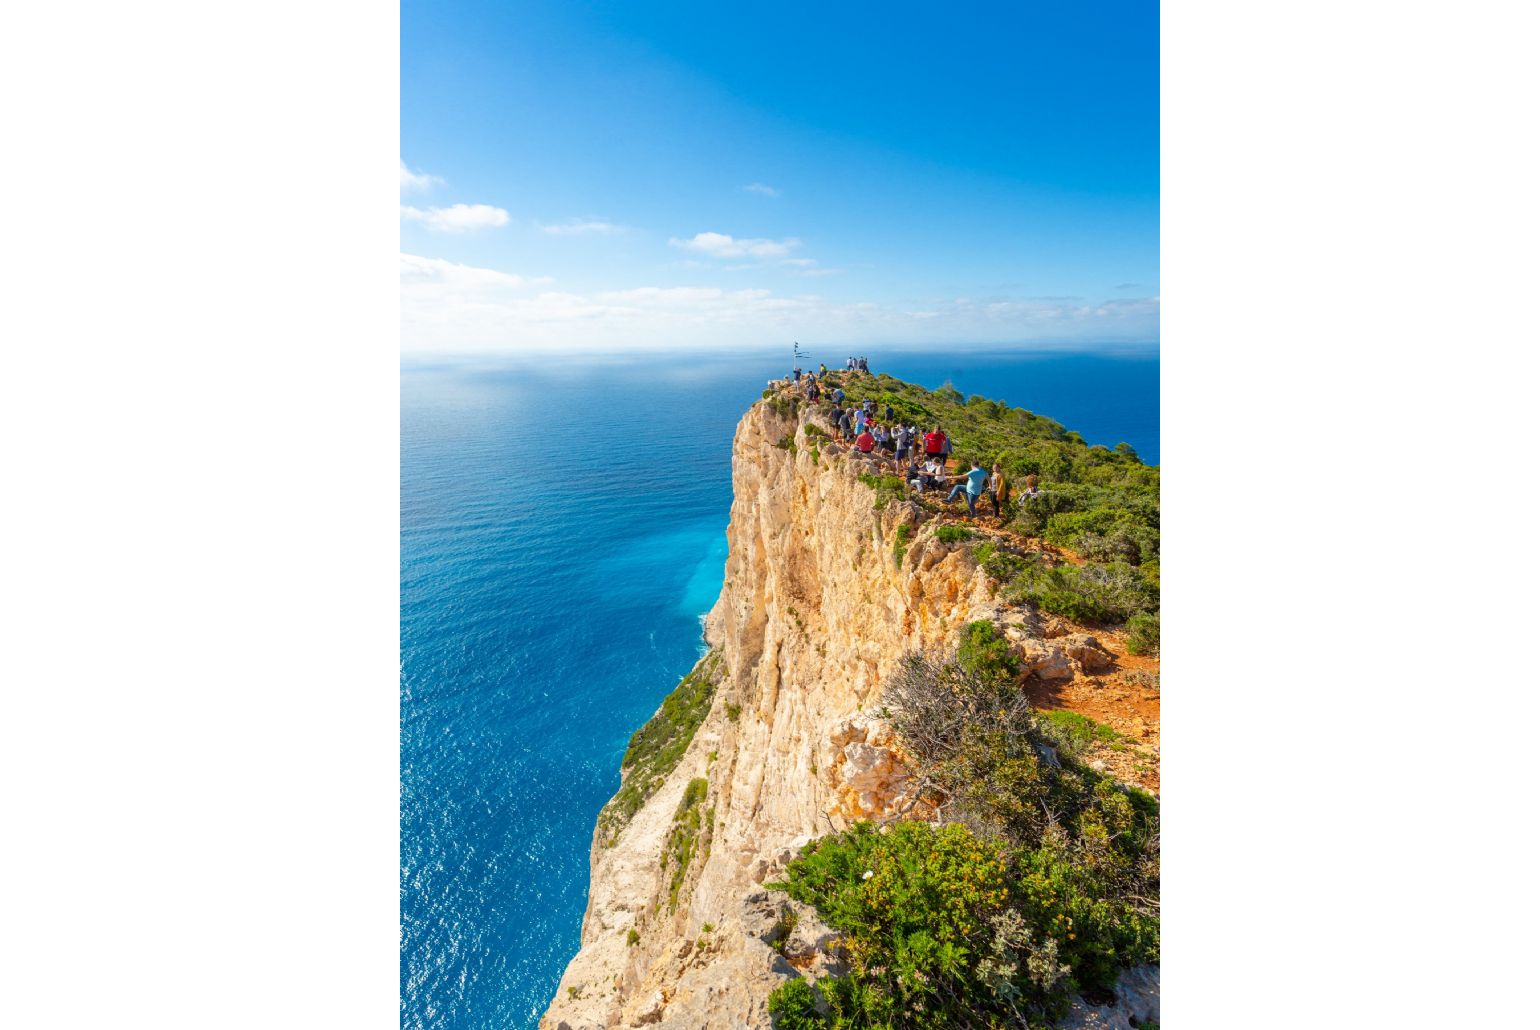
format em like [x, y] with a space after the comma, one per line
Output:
[562, 532]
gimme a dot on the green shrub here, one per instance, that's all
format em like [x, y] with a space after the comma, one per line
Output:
[655, 749]
[1085, 593]
[998, 564]
[684, 837]
[1144, 633]
[733, 712]
[783, 405]
[888, 488]
[788, 443]
[793, 1006]
[942, 927]
[632, 937]
[974, 740]
[1074, 733]
[901, 537]
[953, 534]
[985, 652]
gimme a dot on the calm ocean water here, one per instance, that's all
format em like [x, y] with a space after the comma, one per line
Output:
[562, 532]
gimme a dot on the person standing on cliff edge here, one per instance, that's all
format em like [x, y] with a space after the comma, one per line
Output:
[997, 490]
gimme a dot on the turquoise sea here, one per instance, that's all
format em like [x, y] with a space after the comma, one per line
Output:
[562, 532]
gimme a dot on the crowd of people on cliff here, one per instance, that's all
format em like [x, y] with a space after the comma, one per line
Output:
[920, 458]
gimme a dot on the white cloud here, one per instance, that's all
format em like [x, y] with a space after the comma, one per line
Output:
[762, 189]
[456, 308]
[583, 226]
[422, 271]
[724, 246]
[458, 218]
[414, 181]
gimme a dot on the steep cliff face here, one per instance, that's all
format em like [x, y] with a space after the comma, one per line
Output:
[814, 614]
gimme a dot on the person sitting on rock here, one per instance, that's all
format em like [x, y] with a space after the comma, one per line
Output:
[865, 441]
[1031, 491]
[929, 476]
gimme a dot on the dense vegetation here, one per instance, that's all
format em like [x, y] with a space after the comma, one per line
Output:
[1039, 881]
[690, 832]
[1101, 503]
[656, 748]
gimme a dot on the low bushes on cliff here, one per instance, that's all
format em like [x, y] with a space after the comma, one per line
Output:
[984, 651]
[901, 537]
[690, 833]
[1144, 634]
[953, 534]
[1093, 592]
[887, 488]
[656, 748]
[1040, 883]
[942, 928]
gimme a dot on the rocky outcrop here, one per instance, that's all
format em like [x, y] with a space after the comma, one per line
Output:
[815, 612]
[1137, 1002]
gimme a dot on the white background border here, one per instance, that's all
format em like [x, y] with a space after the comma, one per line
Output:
[200, 417]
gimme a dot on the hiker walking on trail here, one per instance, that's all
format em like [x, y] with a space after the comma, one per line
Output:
[972, 484]
[996, 489]
[845, 434]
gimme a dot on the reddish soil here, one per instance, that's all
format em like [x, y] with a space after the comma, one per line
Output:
[1127, 698]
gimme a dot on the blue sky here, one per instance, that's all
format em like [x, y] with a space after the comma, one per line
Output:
[585, 175]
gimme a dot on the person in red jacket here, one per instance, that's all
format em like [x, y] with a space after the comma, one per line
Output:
[865, 441]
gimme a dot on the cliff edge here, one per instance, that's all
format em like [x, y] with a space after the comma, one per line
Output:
[772, 741]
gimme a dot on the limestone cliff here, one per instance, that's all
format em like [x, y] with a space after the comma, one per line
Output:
[814, 614]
